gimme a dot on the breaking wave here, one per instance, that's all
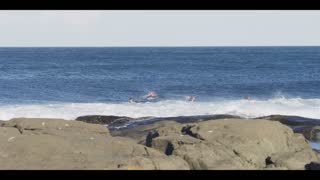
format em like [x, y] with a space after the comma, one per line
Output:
[309, 108]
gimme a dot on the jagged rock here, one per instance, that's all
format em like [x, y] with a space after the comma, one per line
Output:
[295, 159]
[215, 144]
[200, 155]
[60, 144]
[237, 144]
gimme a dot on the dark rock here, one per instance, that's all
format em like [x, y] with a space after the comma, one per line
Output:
[169, 149]
[312, 133]
[120, 122]
[135, 122]
[318, 152]
[292, 120]
[186, 131]
[269, 161]
[104, 120]
[152, 134]
[313, 166]
[139, 133]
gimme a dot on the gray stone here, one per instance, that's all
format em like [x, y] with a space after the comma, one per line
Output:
[213, 144]
[237, 144]
[59, 144]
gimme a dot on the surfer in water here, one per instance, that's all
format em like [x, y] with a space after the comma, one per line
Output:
[191, 98]
[131, 100]
[152, 95]
[247, 98]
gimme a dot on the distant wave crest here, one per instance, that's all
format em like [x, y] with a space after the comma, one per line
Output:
[309, 108]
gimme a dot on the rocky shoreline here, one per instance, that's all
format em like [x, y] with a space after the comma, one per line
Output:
[184, 144]
[310, 128]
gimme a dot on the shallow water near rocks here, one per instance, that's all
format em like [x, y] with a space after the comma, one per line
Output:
[315, 145]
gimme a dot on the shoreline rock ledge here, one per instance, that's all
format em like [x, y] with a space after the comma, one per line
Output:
[215, 144]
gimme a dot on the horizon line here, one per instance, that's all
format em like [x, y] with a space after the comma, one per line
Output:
[159, 46]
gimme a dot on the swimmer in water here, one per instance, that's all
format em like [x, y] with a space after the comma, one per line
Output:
[191, 98]
[131, 100]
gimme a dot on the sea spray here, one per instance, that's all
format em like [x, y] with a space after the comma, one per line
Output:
[309, 108]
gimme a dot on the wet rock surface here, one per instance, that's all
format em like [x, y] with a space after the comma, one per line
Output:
[312, 133]
[313, 166]
[140, 133]
[136, 122]
[103, 120]
[292, 120]
[113, 122]
[310, 128]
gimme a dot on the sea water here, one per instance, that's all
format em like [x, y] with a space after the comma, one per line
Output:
[70, 82]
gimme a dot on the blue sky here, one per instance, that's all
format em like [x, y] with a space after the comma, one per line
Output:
[159, 28]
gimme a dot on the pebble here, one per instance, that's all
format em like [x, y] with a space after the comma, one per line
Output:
[10, 139]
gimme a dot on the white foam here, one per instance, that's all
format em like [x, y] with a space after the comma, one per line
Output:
[309, 108]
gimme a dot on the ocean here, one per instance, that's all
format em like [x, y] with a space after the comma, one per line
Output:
[71, 82]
